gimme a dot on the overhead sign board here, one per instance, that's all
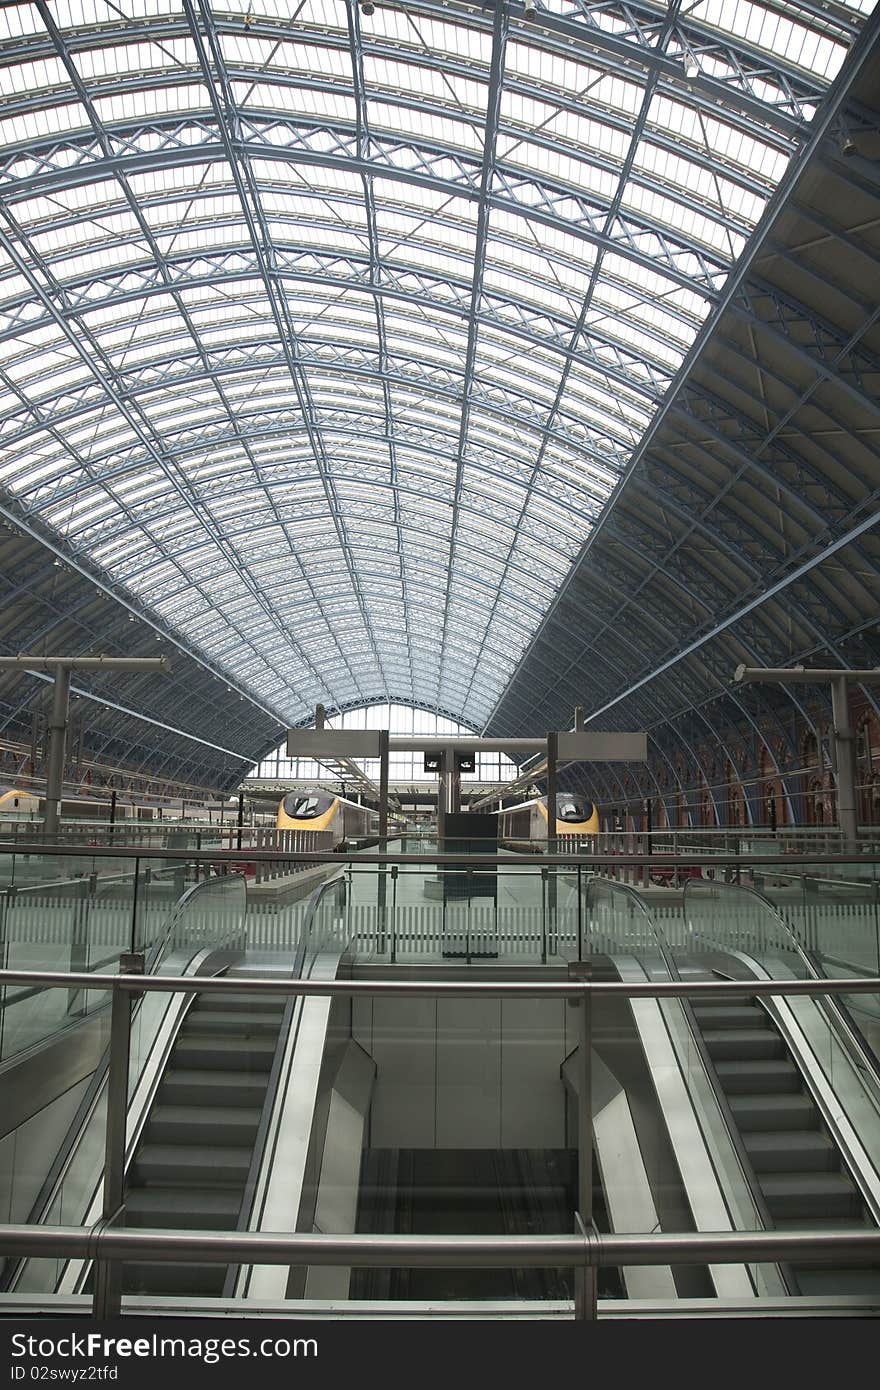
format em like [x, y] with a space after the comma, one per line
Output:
[589, 747]
[333, 743]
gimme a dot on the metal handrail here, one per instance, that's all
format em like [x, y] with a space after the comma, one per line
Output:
[109, 1246]
[523, 989]
[578, 857]
[589, 1248]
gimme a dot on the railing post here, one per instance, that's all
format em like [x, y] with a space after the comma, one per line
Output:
[79, 937]
[543, 915]
[580, 913]
[585, 1295]
[394, 869]
[108, 1273]
[133, 943]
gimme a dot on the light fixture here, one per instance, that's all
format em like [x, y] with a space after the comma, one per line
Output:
[530, 9]
[690, 64]
[368, 8]
[846, 143]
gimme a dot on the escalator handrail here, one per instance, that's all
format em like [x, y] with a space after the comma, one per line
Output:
[183, 904]
[747, 1169]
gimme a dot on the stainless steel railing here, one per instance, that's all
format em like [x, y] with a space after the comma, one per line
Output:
[108, 1243]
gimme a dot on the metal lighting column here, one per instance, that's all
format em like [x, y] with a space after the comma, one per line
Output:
[586, 1283]
[57, 741]
[108, 1273]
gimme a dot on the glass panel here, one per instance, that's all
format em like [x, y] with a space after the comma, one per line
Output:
[60, 913]
[69, 1169]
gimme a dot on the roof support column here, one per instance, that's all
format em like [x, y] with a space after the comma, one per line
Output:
[57, 741]
[383, 786]
[845, 757]
[844, 739]
[61, 667]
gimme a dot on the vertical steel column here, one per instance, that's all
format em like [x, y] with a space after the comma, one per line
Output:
[240, 819]
[383, 784]
[580, 912]
[552, 842]
[585, 1277]
[845, 757]
[382, 880]
[108, 1273]
[552, 747]
[57, 740]
[442, 792]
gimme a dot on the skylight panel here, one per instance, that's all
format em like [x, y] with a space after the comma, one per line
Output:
[565, 119]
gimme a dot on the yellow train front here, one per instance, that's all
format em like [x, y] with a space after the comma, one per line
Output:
[525, 825]
[346, 820]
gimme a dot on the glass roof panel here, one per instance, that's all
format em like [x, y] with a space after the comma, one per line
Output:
[347, 325]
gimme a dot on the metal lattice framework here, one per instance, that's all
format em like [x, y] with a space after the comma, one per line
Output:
[326, 339]
[749, 525]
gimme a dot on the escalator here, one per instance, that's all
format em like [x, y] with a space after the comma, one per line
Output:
[191, 1168]
[800, 1086]
[799, 1169]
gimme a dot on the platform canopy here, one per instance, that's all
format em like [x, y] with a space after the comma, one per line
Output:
[326, 337]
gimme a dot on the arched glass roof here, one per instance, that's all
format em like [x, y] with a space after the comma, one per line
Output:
[328, 336]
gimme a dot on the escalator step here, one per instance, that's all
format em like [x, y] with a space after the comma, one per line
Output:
[201, 1280]
[192, 1086]
[230, 1001]
[747, 1044]
[854, 1282]
[791, 1150]
[807, 1194]
[204, 1164]
[230, 1024]
[200, 1124]
[790, 1111]
[183, 1208]
[222, 1053]
[775, 1074]
[730, 1015]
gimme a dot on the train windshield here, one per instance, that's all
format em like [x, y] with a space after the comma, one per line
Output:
[568, 810]
[304, 807]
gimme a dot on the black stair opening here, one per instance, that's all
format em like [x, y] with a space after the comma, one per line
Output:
[472, 1192]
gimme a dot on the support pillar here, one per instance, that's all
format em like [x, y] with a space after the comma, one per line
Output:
[845, 757]
[57, 741]
[442, 794]
[552, 746]
[552, 843]
[383, 785]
